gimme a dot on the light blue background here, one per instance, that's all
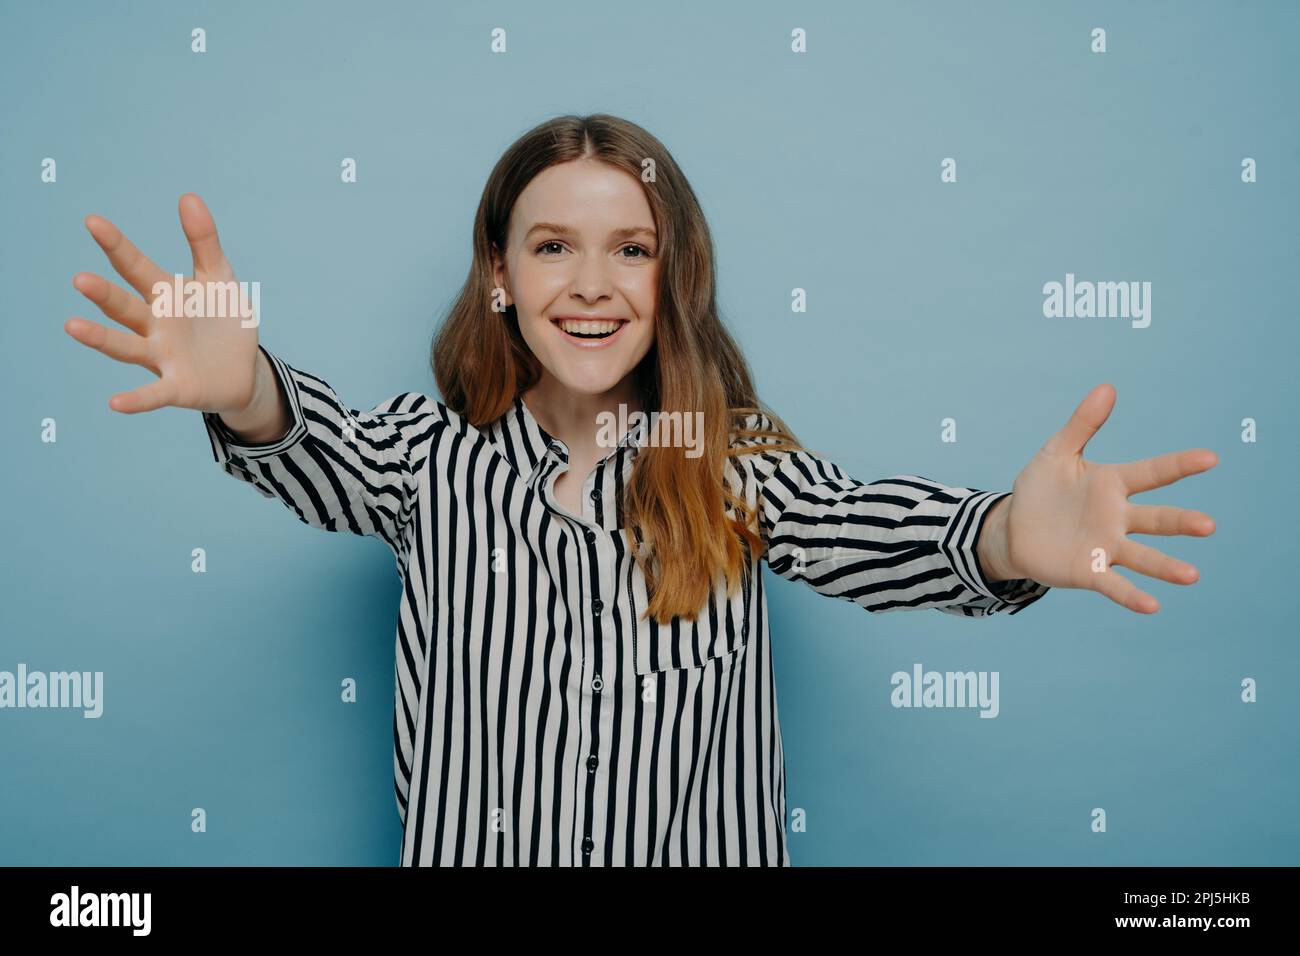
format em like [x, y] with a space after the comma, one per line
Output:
[818, 171]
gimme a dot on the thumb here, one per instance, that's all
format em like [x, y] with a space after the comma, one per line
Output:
[1084, 423]
[201, 231]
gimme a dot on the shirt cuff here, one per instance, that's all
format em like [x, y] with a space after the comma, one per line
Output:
[225, 444]
[959, 544]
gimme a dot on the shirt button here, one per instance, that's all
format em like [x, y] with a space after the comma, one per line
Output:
[592, 763]
[591, 537]
[588, 844]
[595, 494]
[598, 605]
[597, 683]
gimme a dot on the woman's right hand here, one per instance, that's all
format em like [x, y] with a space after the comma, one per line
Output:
[211, 364]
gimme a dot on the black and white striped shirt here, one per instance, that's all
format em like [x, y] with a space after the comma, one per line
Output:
[537, 718]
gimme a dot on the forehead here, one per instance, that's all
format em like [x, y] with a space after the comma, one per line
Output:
[589, 197]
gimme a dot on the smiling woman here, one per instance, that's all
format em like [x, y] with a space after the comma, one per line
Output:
[604, 279]
[583, 670]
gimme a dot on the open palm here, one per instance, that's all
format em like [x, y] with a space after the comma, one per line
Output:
[205, 363]
[1069, 519]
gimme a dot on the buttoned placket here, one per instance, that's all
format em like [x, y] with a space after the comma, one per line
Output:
[597, 565]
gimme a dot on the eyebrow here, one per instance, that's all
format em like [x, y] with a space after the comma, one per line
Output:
[625, 233]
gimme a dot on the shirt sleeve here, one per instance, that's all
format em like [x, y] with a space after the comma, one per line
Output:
[337, 468]
[899, 543]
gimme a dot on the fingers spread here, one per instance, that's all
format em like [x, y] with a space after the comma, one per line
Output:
[116, 344]
[114, 301]
[131, 264]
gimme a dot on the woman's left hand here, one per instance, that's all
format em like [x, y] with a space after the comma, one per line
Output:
[1068, 520]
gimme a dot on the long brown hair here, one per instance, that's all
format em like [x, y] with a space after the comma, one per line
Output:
[675, 505]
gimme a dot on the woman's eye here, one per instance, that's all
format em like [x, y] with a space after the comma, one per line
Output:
[545, 248]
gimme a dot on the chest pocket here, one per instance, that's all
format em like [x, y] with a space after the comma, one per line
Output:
[720, 629]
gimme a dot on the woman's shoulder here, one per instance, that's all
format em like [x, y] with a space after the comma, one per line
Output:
[753, 429]
[760, 441]
[417, 408]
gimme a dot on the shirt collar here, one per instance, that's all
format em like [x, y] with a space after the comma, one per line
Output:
[527, 444]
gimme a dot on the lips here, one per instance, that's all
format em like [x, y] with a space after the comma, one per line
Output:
[588, 332]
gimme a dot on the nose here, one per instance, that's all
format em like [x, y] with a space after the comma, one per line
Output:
[591, 278]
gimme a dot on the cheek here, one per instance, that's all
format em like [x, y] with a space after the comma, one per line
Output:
[534, 288]
[638, 347]
[642, 293]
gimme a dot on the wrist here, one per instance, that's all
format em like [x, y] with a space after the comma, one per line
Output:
[257, 419]
[993, 547]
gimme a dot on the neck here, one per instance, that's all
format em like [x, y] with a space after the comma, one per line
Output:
[572, 416]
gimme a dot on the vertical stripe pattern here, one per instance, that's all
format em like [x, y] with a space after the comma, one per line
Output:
[539, 717]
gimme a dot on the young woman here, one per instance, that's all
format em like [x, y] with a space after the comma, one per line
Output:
[583, 672]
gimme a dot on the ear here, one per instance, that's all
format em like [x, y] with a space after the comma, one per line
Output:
[500, 278]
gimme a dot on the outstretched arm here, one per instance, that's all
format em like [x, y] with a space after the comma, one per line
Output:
[905, 542]
[909, 542]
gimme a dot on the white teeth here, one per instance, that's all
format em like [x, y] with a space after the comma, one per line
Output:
[587, 327]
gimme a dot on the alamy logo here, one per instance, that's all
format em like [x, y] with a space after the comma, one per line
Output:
[664, 429]
[73, 689]
[102, 909]
[1098, 300]
[208, 300]
[923, 688]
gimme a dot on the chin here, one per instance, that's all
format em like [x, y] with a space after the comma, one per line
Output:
[590, 381]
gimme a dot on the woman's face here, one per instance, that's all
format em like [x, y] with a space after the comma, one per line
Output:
[582, 246]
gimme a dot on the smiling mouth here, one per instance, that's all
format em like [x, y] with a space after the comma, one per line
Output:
[589, 331]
